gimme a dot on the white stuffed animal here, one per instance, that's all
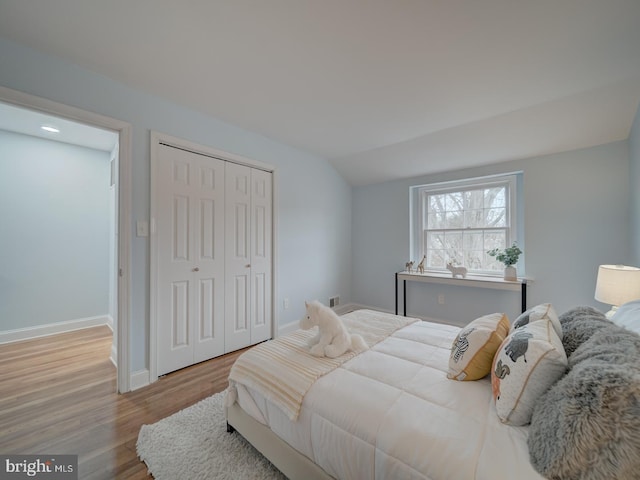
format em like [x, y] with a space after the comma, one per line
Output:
[333, 339]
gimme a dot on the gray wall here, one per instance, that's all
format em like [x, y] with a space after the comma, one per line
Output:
[576, 216]
[634, 148]
[313, 200]
[54, 232]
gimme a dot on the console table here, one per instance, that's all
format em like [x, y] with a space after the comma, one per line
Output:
[478, 281]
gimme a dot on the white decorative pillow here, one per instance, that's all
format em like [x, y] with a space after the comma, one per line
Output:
[628, 316]
[473, 349]
[539, 312]
[529, 361]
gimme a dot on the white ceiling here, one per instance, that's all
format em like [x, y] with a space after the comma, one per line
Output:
[383, 89]
[29, 122]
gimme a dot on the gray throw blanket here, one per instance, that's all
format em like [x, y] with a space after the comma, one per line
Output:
[587, 426]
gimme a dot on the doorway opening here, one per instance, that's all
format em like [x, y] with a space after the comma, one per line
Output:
[75, 168]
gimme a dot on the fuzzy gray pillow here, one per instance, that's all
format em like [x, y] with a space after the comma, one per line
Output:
[579, 324]
[587, 426]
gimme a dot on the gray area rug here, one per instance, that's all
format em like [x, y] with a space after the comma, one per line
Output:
[194, 444]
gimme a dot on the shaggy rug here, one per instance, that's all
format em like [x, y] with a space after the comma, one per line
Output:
[194, 444]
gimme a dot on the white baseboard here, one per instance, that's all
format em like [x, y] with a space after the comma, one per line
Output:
[52, 329]
[110, 322]
[350, 307]
[139, 379]
[114, 355]
[288, 328]
[114, 352]
[346, 308]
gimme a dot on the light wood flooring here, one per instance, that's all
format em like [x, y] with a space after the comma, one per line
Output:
[58, 396]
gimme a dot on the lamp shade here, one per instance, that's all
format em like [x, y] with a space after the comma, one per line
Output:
[617, 284]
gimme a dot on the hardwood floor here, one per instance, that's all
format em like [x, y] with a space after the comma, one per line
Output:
[58, 396]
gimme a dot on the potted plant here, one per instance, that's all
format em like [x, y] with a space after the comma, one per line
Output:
[509, 257]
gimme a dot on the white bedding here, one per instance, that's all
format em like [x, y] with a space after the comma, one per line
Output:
[391, 413]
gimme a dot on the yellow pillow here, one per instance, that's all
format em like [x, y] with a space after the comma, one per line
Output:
[475, 346]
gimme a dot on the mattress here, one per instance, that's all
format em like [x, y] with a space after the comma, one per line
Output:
[391, 412]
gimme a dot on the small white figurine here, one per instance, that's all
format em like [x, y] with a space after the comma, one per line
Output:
[421, 264]
[409, 266]
[462, 271]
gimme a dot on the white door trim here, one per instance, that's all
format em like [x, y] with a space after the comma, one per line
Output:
[123, 129]
[158, 138]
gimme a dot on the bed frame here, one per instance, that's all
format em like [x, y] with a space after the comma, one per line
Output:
[288, 460]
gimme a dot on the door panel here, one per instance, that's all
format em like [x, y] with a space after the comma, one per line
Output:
[180, 315]
[238, 261]
[209, 243]
[259, 296]
[207, 302]
[241, 230]
[180, 228]
[190, 258]
[207, 229]
[261, 219]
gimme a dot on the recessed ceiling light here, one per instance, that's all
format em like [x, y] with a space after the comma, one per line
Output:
[47, 128]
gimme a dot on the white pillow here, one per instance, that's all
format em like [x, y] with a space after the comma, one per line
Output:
[529, 361]
[475, 346]
[628, 316]
[539, 312]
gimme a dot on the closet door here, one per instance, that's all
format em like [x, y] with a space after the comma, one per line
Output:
[261, 235]
[238, 257]
[248, 232]
[190, 260]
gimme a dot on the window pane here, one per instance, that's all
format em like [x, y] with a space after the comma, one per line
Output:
[454, 201]
[436, 203]
[435, 240]
[495, 197]
[454, 219]
[434, 249]
[453, 245]
[435, 258]
[496, 217]
[495, 240]
[474, 259]
[475, 200]
[461, 226]
[474, 218]
[473, 240]
[436, 221]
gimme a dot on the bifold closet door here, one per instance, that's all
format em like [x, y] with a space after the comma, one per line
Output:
[190, 265]
[248, 225]
[261, 258]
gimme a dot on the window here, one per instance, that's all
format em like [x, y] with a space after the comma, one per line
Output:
[460, 221]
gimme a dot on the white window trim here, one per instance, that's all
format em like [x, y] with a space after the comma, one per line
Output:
[417, 210]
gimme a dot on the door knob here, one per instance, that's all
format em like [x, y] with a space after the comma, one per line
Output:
[196, 269]
[248, 265]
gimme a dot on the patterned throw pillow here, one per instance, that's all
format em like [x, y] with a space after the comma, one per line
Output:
[473, 349]
[529, 361]
[539, 312]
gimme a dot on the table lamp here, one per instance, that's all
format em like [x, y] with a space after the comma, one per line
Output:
[617, 284]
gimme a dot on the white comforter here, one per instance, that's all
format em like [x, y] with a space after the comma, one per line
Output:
[391, 413]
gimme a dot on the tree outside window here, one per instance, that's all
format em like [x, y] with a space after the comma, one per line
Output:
[460, 222]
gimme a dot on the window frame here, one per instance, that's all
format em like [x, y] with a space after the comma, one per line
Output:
[418, 215]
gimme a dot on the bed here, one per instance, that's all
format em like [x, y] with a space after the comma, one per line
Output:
[387, 413]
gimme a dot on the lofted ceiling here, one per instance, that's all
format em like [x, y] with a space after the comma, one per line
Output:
[382, 89]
